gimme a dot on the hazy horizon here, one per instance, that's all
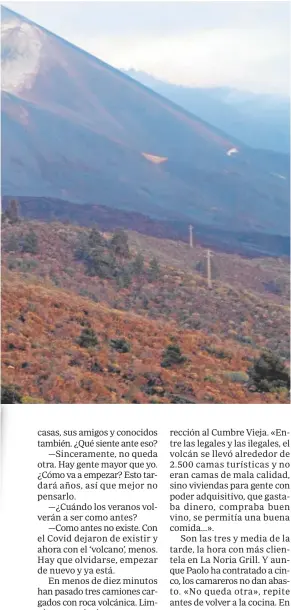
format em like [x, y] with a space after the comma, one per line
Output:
[242, 45]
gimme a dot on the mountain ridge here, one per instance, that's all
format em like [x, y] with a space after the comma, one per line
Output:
[84, 131]
[120, 74]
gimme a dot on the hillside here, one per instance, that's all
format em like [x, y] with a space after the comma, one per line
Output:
[75, 128]
[153, 296]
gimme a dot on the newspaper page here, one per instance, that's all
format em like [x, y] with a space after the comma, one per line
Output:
[145, 304]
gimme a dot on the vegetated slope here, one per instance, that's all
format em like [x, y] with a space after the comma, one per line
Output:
[41, 354]
[259, 120]
[259, 275]
[74, 127]
[49, 299]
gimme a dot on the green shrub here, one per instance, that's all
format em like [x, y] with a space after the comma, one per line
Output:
[138, 264]
[82, 251]
[209, 398]
[269, 373]
[112, 368]
[55, 279]
[95, 239]
[70, 271]
[12, 244]
[217, 352]
[98, 254]
[83, 292]
[119, 244]
[88, 338]
[21, 264]
[120, 345]
[11, 213]
[145, 301]
[30, 242]
[74, 362]
[10, 395]
[176, 399]
[96, 367]
[124, 278]
[154, 270]
[154, 384]
[244, 339]
[89, 242]
[100, 263]
[237, 376]
[194, 324]
[172, 355]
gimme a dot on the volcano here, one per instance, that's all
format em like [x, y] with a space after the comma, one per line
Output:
[77, 129]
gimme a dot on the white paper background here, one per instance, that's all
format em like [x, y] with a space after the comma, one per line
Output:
[19, 507]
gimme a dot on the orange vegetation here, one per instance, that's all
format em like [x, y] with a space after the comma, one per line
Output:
[44, 314]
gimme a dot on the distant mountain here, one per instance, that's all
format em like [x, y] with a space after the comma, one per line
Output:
[259, 120]
[75, 128]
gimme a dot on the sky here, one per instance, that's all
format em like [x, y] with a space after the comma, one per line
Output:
[241, 44]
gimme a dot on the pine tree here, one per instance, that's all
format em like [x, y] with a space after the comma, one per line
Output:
[100, 263]
[119, 244]
[30, 242]
[138, 264]
[120, 345]
[172, 355]
[154, 270]
[95, 238]
[124, 278]
[88, 243]
[12, 211]
[88, 338]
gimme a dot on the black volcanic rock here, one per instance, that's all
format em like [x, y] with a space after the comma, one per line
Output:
[75, 128]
